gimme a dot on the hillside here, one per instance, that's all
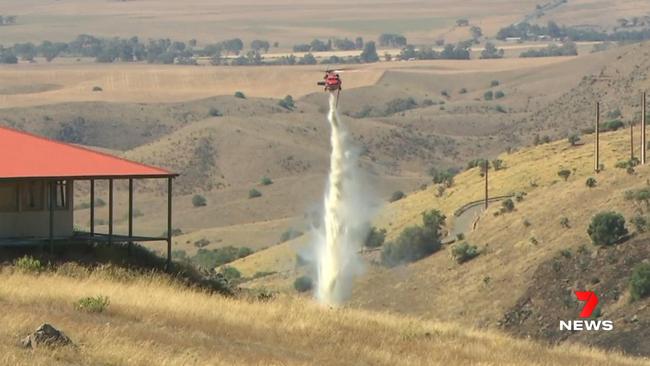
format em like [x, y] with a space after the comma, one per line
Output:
[421, 21]
[514, 246]
[152, 320]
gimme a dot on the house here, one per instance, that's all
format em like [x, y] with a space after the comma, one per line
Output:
[37, 177]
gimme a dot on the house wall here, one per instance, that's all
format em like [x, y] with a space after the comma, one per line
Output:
[30, 216]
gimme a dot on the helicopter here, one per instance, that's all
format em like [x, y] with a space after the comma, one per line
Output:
[331, 81]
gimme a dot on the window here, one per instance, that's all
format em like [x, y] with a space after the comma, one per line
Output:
[31, 195]
[8, 197]
[61, 195]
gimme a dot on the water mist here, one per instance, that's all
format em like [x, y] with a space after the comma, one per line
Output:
[347, 212]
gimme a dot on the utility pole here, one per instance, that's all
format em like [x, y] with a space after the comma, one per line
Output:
[644, 146]
[597, 142]
[631, 140]
[487, 168]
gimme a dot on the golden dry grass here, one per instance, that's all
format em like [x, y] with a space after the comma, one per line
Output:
[151, 321]
[159, 83]
[438, 288]
[140, 83]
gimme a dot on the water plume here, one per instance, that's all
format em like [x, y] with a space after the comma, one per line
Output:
[347, 210]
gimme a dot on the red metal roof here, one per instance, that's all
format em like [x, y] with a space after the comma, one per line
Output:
[23, 155]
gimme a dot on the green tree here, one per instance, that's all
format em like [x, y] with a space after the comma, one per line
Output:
[369, 53]
[375, 238]
[303, 284]
[497, 164]
[266, 181]
[464, 252]
[607, 228]
[199, 201]
[214, 112]
[230, 273]
[254, 193]
[564, 174]
[287, 102]
[233, 45]
[508, 205]
[591, 182]
[240, 95]
[489, 95]
[640, 282]
[415, 242]
[490, 51]
[259, 45]
[574, 139]
[396, 196]
[308, 59]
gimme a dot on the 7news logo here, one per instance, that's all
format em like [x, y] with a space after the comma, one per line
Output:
[591, 302]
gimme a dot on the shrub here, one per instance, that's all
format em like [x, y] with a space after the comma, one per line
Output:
[462, 91]
[508, 205]
[92, 304]
[214, 112]
[445, 177]
[564, 174]
[179, 255]
[494, 83]
[607, 228]
[230, 273]
[464, 252]
[574, 139]
[489, 95]
[28, 264]
[591, 182]
[254, 193]
[209, 259]
[499, 94]
[203, 242]
[97, 89]
[501, 109]
[290, 234]
[612, 125]
[519, 196]
[640, 282]
[199, 201]
[396, 196]
[266, 181]
[476, 163]
[640, 223]
[415, 242]
[497, 164]
[399, 105]
[639, 196]
[375, 238]
[303, 284]
[287, 102]
[564, 222]
[240, 95]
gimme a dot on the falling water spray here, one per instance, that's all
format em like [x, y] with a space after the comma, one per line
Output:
[347, 213]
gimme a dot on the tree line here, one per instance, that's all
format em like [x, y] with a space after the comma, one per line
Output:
[162, 51]
[526, 31]
[7, 19]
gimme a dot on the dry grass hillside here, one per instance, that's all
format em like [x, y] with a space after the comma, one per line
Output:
[513, 245]
[152, 320]
[209, 21]
[617, 84]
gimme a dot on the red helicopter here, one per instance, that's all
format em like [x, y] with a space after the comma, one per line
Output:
[332, 81]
